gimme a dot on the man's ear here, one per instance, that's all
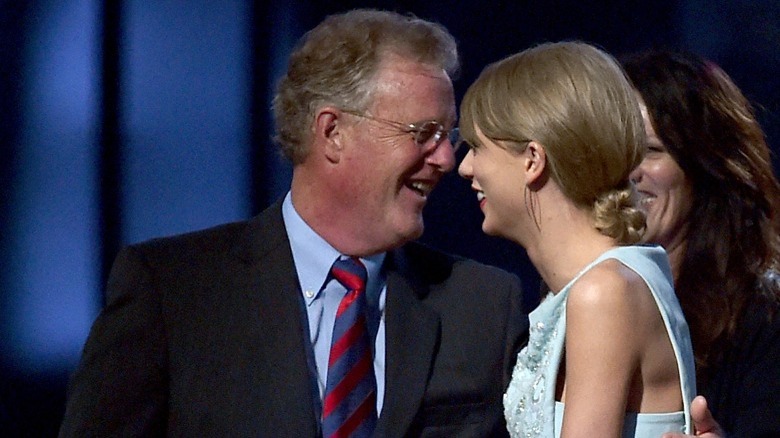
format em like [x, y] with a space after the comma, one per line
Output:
[327, 132]
[535, 164]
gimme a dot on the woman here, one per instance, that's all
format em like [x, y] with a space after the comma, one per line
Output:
[712, 201]
[554, 133]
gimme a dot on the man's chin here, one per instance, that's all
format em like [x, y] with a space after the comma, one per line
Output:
[412, 230]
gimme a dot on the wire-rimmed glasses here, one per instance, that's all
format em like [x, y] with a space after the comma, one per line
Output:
[428, 134]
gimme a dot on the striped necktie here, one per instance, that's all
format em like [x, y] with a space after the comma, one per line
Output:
[349, 405]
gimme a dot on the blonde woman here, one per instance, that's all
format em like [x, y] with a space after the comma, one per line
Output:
[554, 132]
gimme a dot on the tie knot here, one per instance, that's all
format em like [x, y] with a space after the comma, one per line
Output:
[350, 272]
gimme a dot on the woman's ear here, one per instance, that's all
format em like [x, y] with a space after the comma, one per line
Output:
[535, 163]
[327, 132]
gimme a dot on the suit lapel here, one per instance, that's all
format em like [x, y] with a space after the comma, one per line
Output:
[412, 334]
[282, 346]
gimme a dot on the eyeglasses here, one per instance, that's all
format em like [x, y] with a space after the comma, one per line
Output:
[428, 135]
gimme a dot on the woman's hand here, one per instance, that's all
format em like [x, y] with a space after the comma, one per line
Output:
[705, 425]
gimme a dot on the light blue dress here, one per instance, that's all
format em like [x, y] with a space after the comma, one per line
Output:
[529, 402]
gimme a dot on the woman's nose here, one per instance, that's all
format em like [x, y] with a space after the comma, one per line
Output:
[464, 169]
[636, 175]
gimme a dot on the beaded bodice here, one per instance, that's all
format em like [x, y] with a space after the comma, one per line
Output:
[529, 402]
[526, 406]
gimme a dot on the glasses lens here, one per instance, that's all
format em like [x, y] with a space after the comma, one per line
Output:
[427, 132]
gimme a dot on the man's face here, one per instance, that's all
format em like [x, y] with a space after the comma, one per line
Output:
[389, 175]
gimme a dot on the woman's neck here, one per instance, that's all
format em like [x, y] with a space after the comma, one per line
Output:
[676, 252]
[566, 244]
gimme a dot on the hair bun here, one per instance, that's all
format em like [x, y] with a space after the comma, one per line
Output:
[616, 216]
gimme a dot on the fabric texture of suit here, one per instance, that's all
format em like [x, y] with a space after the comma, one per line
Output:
[744, 391]
[203, 335]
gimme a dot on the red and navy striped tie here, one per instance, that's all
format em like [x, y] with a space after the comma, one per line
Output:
[349, 405]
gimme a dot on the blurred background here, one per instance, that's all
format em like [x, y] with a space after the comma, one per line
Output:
[122, 121]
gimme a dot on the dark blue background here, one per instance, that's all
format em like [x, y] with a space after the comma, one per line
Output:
[125, 120]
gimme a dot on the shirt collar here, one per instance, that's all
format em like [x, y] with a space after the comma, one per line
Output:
[314, 256]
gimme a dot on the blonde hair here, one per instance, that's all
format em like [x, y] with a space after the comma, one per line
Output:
[336, 63]
[575, 100]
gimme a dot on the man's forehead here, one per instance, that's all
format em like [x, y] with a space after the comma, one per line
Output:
[392, 61]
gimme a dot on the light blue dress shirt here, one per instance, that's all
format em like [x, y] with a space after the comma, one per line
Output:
[313, 258]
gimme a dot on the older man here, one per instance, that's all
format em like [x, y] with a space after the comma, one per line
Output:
[319, 317]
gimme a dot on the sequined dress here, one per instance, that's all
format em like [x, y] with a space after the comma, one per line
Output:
[529, 403]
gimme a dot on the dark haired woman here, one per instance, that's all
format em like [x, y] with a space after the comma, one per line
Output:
[712, 202]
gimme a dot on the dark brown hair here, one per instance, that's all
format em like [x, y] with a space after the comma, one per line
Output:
[710, 129]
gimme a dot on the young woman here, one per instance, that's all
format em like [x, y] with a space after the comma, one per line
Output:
[554, 132]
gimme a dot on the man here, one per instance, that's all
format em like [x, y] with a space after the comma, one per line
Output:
[237, 330]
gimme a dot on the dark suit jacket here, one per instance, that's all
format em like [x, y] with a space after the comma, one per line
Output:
[744, 389]
[203, 335]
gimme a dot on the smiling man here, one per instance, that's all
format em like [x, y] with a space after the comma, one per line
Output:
[318, 317]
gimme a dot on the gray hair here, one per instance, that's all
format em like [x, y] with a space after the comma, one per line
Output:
[336, 63]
